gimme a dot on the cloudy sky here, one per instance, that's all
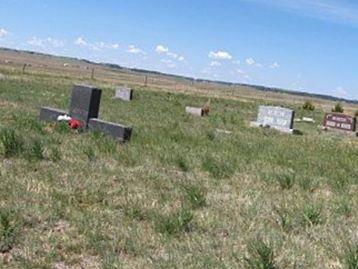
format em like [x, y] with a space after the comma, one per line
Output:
[305, 45]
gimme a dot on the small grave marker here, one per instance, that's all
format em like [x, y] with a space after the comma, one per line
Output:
[340, 122]
[124, 94]
[278, 118]
[197, 111]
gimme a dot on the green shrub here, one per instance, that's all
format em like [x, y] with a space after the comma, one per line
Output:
[13, 143]
[261, 256]
[356, 114]
[338, 108]
[308, 106]
[175, 223]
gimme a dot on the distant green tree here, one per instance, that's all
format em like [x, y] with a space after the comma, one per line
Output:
[338, 108]
[308, 106]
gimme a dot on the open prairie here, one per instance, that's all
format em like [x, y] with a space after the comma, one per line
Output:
[185, 192]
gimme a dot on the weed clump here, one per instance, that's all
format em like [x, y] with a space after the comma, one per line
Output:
[286, 180]
[351, 257]
[217, 169]
[55, 154]
[312, 215]
[13, 143]
[174, 223]
[182, 164]
[35, 150]
[196, 196]
[7, 232]
[261, 256]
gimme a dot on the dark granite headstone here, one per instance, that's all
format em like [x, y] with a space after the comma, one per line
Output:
[278, 118]
[124, 94]
[114, 130]
[85, 102]
[50, 114]
[340, 122]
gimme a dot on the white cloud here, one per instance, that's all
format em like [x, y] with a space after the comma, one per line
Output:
[97, 46]
[220, 55]
[3, 32]
[215, 63]
[44, 43]
[341, 92]
[161, 49]
[168, 63]
[104, 45]
[81, 42]
[135, 50]
[252, 62]
[240, 71]
[275, 65]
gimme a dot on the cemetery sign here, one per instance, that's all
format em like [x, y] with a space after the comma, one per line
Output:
[339, 121]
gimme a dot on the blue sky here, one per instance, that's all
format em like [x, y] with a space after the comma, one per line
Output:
[306, 45]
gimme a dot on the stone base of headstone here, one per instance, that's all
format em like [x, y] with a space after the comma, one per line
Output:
[117, 131]
[196, 111]
[260, 125]
[51, 114]
[334, 130]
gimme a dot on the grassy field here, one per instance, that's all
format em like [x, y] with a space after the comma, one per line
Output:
[181, 194]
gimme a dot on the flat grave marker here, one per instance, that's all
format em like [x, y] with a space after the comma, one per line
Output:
[278, 118]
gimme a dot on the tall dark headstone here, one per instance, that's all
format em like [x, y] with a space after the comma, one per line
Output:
[85, 102]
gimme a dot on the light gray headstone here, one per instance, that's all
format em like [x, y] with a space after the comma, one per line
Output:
[275, 117]
[194, 111]
[124, 94]
[2, 76]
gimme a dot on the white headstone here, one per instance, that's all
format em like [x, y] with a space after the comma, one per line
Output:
[275, 117]
[124, 94]
[194, 111]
